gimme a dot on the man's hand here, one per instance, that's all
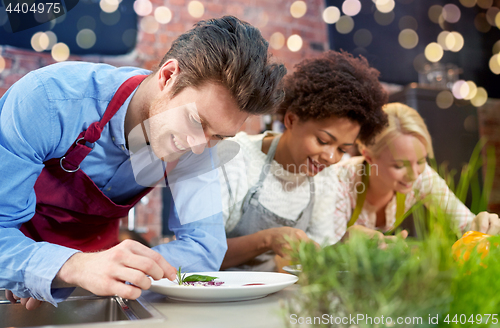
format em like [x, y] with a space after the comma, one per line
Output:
[29, 302]
[486, 223]
[371, 233]
[275, 239]
[105, 273]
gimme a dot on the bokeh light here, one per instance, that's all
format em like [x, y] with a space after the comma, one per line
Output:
[196, 9]
[345, 24]
[109, 6]
[129, 37]
[433, 52]
[60, 52]
[491, 15]
[434, 13]
[294, 43]
[262, 21]
[277, 40]
[444, 99]
[384, 19]
[2, 64]
[331, 15]
[149, 25]
[351, 7]
[468, 3]
[363, 38]
[470, 123]
[52, 39]
[485, 4]
[472, 90]
[85, 39]
[86, 22]
[480, 98]
[110, 19]
[408, 38]
[385, 6]
[497, 20]
[143, 7]
[35, 42]
[44, 41]
[298, 9]
[481, 23]
[494, 64]
[460, 89]
[496, 47]
[163, 15]
[441, 39]
[454, 41]
[408, 22]
[451, 13]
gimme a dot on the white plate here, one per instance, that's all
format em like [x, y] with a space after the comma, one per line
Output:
[233, 288]
[293, 269]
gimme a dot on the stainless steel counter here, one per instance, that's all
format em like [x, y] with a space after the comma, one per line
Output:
[266, 312]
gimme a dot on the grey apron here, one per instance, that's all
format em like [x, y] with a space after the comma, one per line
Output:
[256, 217]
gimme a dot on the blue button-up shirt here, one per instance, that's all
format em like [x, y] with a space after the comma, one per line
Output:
[40, 117]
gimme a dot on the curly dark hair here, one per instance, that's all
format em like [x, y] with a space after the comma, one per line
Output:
[337, 84]
[234, 54]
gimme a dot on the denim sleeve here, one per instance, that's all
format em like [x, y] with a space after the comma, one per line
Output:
[195, 217]
[28, 134]
[199, 246]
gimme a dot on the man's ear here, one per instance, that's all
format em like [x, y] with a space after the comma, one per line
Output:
[167, 73]
[290, 120]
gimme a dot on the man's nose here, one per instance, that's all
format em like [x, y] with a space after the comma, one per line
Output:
[197, 143]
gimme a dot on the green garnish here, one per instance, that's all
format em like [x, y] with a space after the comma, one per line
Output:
[198, 277]
[181, 277]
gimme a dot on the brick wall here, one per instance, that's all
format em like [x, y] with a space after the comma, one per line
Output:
[269, 16]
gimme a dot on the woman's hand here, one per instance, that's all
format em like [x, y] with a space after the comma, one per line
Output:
[277, 242]
[29, 302]
[371, 233]
[485, 222]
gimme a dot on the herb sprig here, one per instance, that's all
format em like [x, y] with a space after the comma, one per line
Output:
[181, 277]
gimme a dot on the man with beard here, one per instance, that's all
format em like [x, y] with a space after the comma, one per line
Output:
[70, 141]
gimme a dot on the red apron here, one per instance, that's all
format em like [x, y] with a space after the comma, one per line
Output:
[70, 209]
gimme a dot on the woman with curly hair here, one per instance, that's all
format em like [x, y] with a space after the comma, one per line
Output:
[279, 187]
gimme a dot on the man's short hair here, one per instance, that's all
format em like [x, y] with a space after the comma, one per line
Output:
[234, 54]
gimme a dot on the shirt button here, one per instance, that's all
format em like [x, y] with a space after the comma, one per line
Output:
[109, 188]
[113, 138]
[123, 148]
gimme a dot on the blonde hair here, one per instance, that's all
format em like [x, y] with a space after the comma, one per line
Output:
[402, 120]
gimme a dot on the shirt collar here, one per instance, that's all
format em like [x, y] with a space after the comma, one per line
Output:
[117, 125]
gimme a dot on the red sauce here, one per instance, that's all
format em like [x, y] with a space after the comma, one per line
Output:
[254, 284]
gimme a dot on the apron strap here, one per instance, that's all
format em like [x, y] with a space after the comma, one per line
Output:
[269, 159]
[84, 144]
[360, 200]
[400, 211]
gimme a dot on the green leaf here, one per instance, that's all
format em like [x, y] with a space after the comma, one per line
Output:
[198, 277]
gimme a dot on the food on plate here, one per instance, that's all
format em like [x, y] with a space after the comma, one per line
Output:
[196, 280]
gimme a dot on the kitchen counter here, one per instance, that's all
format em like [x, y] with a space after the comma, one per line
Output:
[266, 312]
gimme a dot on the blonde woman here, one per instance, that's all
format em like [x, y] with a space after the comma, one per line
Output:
[377, 188]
